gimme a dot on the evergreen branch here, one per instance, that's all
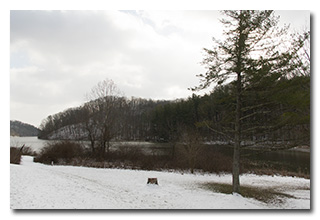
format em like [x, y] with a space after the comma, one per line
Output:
[254, 114]
[216, 131]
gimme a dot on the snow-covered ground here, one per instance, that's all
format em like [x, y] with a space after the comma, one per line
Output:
[38, 186]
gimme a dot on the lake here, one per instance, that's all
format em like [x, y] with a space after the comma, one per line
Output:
[291, 160]
[37, 144]
[295, 160]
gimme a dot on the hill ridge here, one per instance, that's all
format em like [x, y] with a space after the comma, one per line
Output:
[18, 128]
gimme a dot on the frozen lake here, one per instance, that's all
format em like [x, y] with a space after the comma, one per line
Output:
[37, 144]
[289, 159]
[33, 142]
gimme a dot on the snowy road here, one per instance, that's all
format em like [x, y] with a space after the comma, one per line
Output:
[38, 186]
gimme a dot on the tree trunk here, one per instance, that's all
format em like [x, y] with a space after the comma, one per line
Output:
[103, 149]
[236, 152]
[193, 163]
[173, 150]
[236, 169]
[92, 145]
[237, 137]
[108, 147]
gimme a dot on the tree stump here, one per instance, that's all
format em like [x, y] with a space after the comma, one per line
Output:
[152, 181]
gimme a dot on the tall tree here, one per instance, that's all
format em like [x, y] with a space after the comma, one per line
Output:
[104, 107]
[253, 47]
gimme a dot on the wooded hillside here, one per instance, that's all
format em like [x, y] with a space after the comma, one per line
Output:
[278, 115]
[18, 128]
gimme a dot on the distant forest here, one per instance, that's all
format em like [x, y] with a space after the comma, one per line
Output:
[18, 128]
[277, 112]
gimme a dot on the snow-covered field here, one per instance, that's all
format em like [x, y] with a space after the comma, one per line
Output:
[38, 186]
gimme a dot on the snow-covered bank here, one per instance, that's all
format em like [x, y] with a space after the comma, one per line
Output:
[38, 186]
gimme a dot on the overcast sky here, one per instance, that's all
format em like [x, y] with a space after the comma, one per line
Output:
[56, 57]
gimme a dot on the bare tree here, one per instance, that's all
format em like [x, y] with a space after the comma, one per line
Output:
[190, 145]
[103, 107]
[89, 124]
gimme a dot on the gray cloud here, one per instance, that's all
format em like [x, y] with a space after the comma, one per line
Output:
[58, 56]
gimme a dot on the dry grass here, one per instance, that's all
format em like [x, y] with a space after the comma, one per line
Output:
[266, 195]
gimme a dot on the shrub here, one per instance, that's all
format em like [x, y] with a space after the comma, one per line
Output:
[28, 151]
[15, 155]
[61, 152]
[208, 160]
[132, 153]
[216, 162]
